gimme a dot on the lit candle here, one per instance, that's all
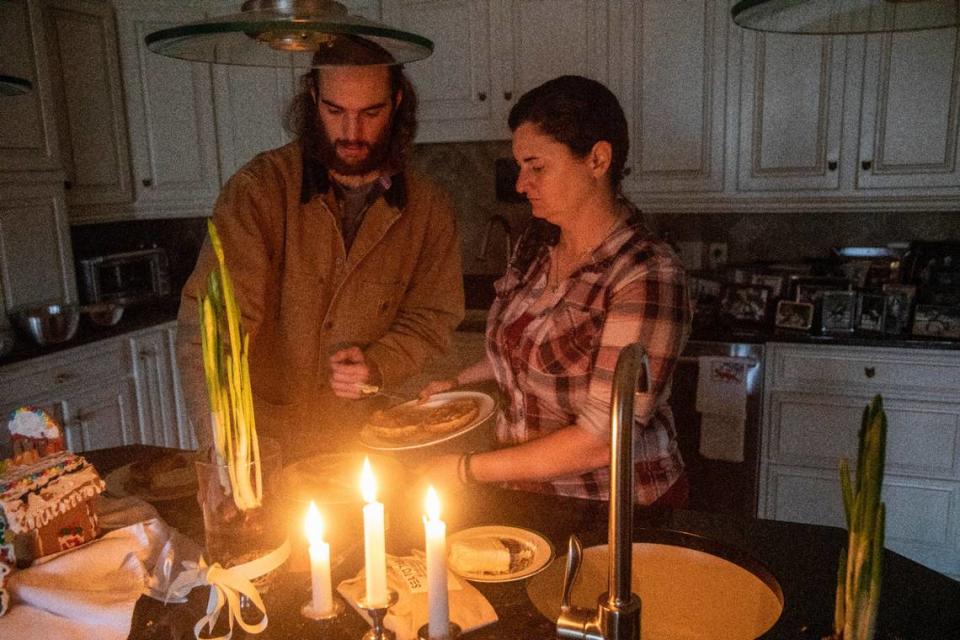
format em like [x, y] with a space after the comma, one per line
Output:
[438, 622]
[374, 547]
[322, 600]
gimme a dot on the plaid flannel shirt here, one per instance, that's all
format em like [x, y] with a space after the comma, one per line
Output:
[555, 366]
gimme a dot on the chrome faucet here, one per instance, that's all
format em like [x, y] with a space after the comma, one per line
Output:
[617, 616]
[485, 239]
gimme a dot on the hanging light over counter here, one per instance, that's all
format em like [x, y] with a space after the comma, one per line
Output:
[14, 86]
[845, 16]
[289, 33]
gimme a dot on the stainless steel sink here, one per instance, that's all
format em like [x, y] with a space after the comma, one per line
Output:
[691, 588]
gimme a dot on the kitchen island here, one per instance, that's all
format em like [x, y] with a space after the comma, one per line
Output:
[917, 603]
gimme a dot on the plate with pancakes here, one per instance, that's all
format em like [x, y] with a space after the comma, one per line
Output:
[168, 475]
[415, 424]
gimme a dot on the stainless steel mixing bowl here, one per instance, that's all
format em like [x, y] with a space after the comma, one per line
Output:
[48, 324]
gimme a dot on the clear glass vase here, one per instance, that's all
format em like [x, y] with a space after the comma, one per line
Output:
[234, 536]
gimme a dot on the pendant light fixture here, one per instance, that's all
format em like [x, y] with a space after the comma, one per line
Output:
[845, 16]
[289, 33]
[14, 86]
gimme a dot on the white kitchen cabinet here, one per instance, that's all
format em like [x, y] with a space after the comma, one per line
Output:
[91, 117]
[28, 139]
[489, 52]
[36, 261]
[88, 390]
[170, 115]
[791, 109]
[814, 397]
[162, 412]
[910, 111]
[674, 77]
[850, 121]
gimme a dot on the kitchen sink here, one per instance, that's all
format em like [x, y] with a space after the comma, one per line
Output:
[690, 588]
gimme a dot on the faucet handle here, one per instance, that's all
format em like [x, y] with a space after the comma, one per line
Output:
[574, 560]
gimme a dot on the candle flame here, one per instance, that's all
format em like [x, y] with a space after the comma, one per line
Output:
[433, 505]
[313, 525]
[368, 482]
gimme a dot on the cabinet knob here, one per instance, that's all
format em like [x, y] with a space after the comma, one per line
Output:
[508, 95]
[482, 96]
[866, 164]
[147, 353]
[67, 185]
[869, 372]
[63, 377]
[832, 165]
[147, 182]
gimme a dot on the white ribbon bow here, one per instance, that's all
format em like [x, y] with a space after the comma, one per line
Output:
[227, 586]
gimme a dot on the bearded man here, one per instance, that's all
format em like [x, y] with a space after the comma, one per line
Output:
[345, 263]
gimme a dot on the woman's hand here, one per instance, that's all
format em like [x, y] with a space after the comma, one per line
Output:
[437, 386]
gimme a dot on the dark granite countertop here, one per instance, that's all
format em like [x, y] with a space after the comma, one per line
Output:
[134, 318]
[916, 602]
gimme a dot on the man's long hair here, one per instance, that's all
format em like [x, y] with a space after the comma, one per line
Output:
[302, 119]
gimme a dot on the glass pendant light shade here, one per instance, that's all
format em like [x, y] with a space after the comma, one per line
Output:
[14, 86]
[289, 33]
[845, 16]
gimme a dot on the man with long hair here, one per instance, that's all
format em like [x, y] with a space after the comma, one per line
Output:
[346, 264]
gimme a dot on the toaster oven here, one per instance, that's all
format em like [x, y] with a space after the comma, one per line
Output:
[126, 278]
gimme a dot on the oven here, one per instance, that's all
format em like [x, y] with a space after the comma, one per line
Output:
[719, 486]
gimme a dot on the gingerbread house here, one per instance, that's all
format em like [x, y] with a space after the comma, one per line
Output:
[45, 494]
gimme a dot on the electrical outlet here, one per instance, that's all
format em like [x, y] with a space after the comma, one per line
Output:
[716, 255]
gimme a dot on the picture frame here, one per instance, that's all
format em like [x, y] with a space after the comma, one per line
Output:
[838, 311]
[745, 303]
[771, 280]
[870, 312]
[896, 312]
[812, 289]
[793, 316]
[936, 321]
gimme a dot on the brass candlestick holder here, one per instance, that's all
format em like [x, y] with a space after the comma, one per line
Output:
[377, 613]
[453, 632]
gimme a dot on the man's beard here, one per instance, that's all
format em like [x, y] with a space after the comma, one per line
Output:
[377, 152]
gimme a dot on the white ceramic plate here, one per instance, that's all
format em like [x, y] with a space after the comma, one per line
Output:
[117, 486]
[487, 407]
[530, 540]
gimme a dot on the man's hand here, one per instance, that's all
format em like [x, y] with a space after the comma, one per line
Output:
[349, 370]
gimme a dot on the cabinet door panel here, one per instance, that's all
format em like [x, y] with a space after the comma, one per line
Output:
[36, 262]
[818, 430]
[28, 139]
[791, 110]
[250, 104]
[104, 417]
[910, 111]
[170, 107]
[85, 76]
[454, 84]
[675, 95]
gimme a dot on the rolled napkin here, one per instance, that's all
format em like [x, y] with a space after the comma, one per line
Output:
[407, 576]
[90, 591]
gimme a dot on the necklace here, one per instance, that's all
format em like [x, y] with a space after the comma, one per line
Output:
[554, 278]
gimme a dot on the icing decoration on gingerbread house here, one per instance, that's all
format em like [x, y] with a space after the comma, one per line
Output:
[46, 494]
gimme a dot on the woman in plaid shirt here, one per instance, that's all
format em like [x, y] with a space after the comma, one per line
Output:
[587, 279]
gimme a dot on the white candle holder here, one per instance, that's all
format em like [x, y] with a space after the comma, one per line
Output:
[307, 611]
[377, 613]
[453, 632]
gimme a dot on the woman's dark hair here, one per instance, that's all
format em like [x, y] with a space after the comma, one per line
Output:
[577, 112]
[302, 121]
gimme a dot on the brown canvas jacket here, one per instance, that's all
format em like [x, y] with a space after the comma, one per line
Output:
[398, 294]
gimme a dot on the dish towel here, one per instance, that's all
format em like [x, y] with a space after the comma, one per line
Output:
[722, 403]
[90, 591]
